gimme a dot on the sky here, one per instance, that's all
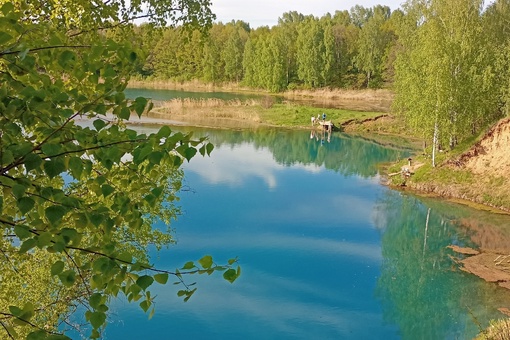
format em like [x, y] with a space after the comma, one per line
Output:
[266, 12]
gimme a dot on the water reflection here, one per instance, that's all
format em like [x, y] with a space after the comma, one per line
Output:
[326, 251]
[421, 287]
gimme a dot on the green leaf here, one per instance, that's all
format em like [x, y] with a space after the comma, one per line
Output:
[4, 37]
[161, 278]
[67, 277]
[95, 300]
[107, 189]
[7, 8]
[55, 213]
[32, 161]
[155, 157]
[140, 104]
[97, 319]
[206, 262]
[54, 167]
[22, 231]
[18, 190]
[7, 157]
[230, 275]
[25, 204]
[210, 148]
[51, 149]
[27, 245]
[66, 58]
[144, 281]
[16, 311]
[44, 239]
[164, 132]
[76, 167]
[99, 124]
[124, 113]
[57, 268]
[125, 257]
[188, 265]
[145, 305]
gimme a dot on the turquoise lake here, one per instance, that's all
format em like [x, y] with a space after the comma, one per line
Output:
[327, 251]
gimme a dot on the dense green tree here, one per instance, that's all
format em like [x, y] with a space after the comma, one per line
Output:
[288, 24]
[373, 42]
[80, 190]
[496, 26]
[345, 36]
[311, 52]
[212, 63]
[444, 72]
[232, 55]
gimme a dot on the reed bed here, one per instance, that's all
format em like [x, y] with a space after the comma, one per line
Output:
[207, 108]
[333, 94]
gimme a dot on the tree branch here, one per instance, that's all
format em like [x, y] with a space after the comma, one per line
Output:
[45, 48]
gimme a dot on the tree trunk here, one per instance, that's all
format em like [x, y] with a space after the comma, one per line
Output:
[434, 145]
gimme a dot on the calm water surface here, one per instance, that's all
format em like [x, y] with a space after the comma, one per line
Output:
[326, 251]
[162, 95]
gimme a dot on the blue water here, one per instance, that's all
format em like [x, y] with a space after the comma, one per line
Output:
[326, 251]
[161, 95]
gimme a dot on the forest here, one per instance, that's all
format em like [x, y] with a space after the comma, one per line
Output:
[448, 62]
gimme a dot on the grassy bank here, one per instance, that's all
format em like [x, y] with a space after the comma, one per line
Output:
[453, 179]
[263, 111]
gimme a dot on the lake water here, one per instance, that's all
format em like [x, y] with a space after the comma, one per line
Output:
[167, 94]
[327, 252]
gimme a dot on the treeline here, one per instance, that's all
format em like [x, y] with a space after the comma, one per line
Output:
[448, 61]
[350, 49]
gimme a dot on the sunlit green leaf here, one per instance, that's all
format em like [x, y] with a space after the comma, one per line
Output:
[206, 262]
[189, 265]
[145, 305]
[230, 275]
[97, 319]
[95, 300]
[161, 278]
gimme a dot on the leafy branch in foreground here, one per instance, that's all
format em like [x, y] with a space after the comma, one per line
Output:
[79, 190]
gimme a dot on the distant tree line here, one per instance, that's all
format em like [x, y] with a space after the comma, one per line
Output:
[447, 61]
[350, 49]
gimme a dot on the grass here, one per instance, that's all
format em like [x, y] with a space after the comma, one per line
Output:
[285, 115]
[294, 115]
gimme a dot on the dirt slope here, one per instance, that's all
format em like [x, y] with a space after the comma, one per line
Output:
[489, 161]
[491, 155]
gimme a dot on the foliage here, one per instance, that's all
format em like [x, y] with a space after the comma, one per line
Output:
[300, 50]
[445, 74]
[80, 190]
